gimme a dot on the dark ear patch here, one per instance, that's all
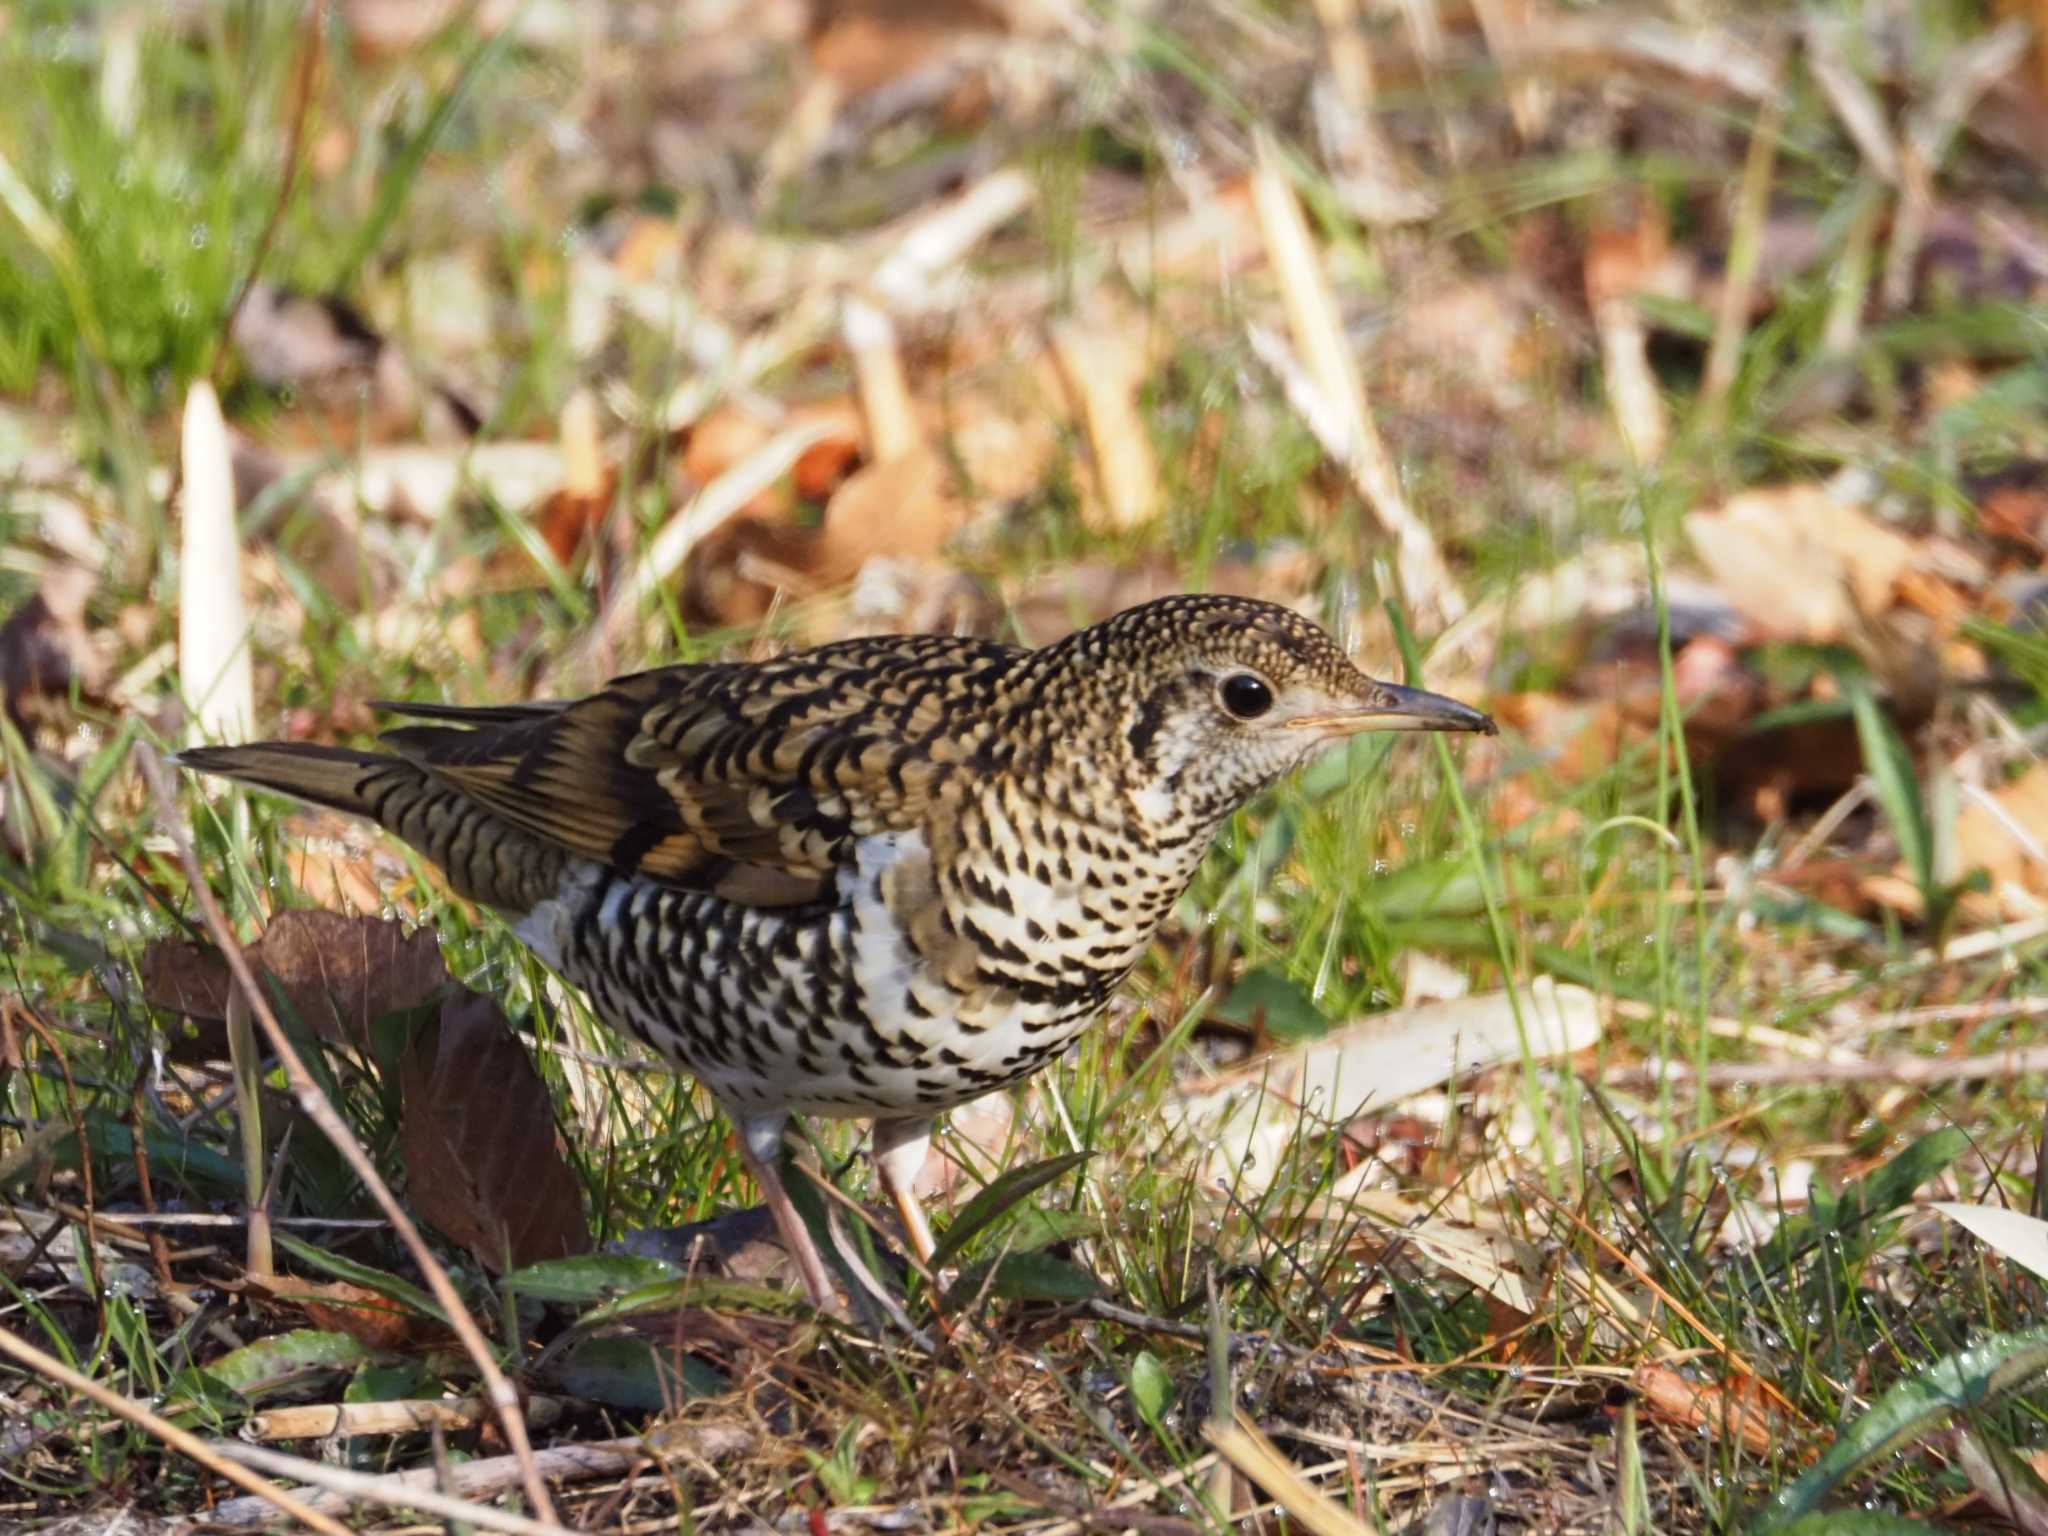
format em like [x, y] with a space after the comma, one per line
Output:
[1151, 716]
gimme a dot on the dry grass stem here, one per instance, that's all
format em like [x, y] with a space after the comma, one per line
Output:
[266, 1500]
[322, 1113]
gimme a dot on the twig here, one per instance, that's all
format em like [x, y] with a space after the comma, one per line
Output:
[2018, 1062]
[267, 1498]
[885, 404]
[342, 1491]
[314, 1102]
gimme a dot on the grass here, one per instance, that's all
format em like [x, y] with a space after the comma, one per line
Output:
[1357, 1340]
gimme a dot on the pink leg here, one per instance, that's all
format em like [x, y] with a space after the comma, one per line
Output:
[761, 1148]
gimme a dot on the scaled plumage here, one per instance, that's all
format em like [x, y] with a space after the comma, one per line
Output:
[876, 878]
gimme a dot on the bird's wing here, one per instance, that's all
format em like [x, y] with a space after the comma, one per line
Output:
[750, 782]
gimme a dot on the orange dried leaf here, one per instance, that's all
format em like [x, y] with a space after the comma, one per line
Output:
[1737, 1408]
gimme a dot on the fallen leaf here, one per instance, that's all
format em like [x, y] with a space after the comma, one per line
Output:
[2004, 832]
[341, 974]
[45, 650]
[375, 1321]
[1245, 1120]
[906, 507]
[338, 973]
[483, 1162]
[1734, 1408]
[1798, 563]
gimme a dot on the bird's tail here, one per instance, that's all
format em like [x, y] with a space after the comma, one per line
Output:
[486, 858]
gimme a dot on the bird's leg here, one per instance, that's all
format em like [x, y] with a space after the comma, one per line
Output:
[761, 1150]
[900, 1150]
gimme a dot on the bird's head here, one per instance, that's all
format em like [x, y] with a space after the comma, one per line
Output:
[1200, 701]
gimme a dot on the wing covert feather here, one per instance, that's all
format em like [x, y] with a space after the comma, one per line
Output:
[752, 782]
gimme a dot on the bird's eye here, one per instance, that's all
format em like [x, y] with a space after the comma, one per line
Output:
[1245, 696]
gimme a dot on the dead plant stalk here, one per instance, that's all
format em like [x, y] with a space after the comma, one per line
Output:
[323, 1114]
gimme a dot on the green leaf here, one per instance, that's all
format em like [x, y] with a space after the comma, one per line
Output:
[385, 1383]
[1025, 1277]
[387, 1285]
[997, 1196]
[1958, 1383]
[588, 1277]
[625, 1372]
[1151, 1388]
[702, 1291]
[1857, 1522]
[1898, 790]
[284, 1357]
[1266, 998]
[1036, 1226]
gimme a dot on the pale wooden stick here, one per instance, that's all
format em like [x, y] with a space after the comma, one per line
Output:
[1331, 374]
[1350, 53]
[267, 1500]
[323, 1115]
[885, 405]
[1424, 577]
[482, 1479]
[1105, 394]
[2019, 1062]
[404, 1416]
[337, 1489]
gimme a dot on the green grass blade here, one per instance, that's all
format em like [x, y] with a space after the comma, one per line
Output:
[997, 1196]
[1968, 1379]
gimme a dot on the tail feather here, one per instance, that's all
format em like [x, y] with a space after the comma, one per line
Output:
[336, 777]
[486, 858]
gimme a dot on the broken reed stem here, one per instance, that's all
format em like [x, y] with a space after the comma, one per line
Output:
[322, 1113]
[182, 1441]
[1731, 325]
[1239, 1441]
[879, 384]
[1324, 386]
[246, 1061]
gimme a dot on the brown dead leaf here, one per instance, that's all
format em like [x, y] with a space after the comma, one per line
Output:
[824, 466]
[862, 45]
[44, 647]
[185, 977]
[338, 973]
[478, 1131]
[1798, 563]
[906, 508]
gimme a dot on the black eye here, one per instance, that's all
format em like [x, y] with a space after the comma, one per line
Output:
[1244, 695]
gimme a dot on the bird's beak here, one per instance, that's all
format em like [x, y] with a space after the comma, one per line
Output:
[1393, 708]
